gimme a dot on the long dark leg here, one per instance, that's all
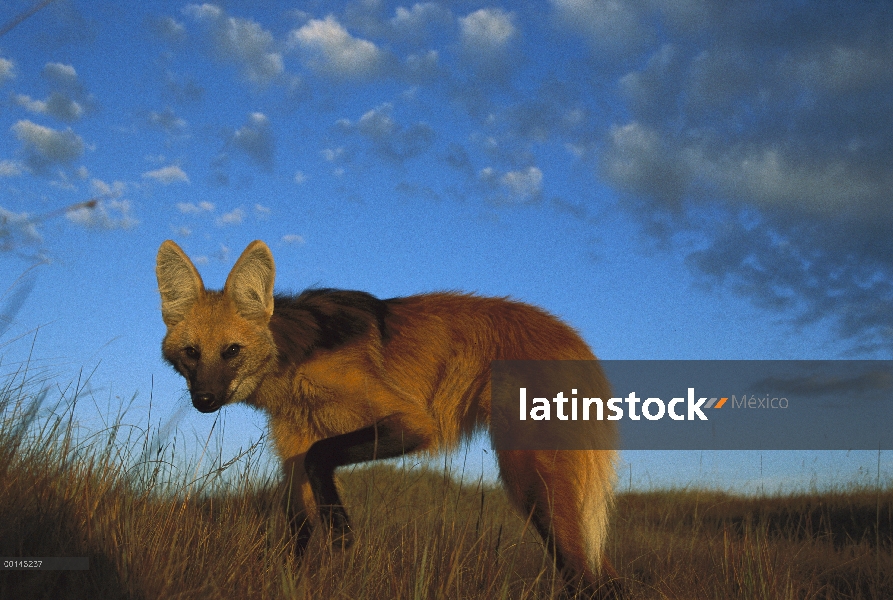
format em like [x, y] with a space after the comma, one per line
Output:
[385, 439]
[541, 525]
[576, 587]
[298, 520]
[301, 529]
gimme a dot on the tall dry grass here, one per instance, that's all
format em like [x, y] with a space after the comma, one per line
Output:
[153, 528]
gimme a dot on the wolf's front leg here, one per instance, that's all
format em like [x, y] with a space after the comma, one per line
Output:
[386, 439]
[300, 504]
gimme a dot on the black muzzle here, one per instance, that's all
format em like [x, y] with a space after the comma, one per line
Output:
[206, 402]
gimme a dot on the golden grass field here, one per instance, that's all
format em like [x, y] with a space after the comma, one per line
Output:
[153, 530]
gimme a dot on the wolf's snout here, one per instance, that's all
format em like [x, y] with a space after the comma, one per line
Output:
[205, 402]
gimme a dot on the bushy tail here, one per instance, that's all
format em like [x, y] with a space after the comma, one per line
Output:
[597, 500]
[569, 495]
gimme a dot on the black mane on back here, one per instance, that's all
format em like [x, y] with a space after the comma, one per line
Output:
[323, 318]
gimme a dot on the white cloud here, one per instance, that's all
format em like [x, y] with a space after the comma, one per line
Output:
[420, 15]
[106, 214]
[167, 175]
[233, 217]
[7, 70]
[17, 229]
[638, 159]
[61, 75]
[418, 24]
[255, 139]
[331, 49]
[293, 238]
[167, 120]
[423, 66]
[840, 67]
[169, 29]
[486, 47]
[67, 102]
[378, 122]
[44, 146]
[114, 190]
[191, 208]
[242, 41]
[300, 177]
[333, 154]
[63, 108]
[262, 210]
[801, 163]
[488, 175]
[35, 106]
[616, 25]
[524, 185]
[767, 143]
[57, 105]
[10, 168]
[636, 151]
[768, 178]
[487, 30]
[203, 11]
[390, 139]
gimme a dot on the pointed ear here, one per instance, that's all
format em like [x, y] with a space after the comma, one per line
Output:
[178, 282]
[250, 283]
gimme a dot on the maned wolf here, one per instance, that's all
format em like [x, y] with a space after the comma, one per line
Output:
[348, 378]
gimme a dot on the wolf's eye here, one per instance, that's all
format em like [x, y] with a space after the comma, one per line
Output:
[191, 352]
[231, 351]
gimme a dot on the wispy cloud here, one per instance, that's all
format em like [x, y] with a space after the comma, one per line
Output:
[487, 31]
[388, 138]
[609, 25]
[293, 238]
[513, 187]
[56, 105]
[167, 175]
[167, 121]
[7, 70]
[234, 217]
[10, 168]
[108, 214]
[486, 39]
[168, 29]
[329, 48]
[68, 101]
[241, 41]
[44, 147]
[525, 185]
[62, 75]
[255, 139]
[115, 189]
[771, 122]
[419, 23]
[191, 208]
[17, 230]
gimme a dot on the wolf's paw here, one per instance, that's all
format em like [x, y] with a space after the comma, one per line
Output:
[342, 538]
[339, 529]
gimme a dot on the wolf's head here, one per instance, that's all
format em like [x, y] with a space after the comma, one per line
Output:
[219, 341]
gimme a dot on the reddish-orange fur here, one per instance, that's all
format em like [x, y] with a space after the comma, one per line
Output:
[421, 364]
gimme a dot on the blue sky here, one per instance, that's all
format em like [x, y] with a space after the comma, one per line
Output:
[677, 180]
